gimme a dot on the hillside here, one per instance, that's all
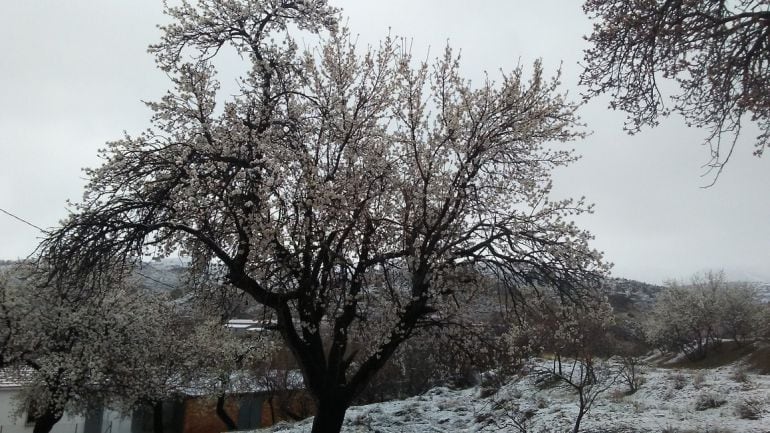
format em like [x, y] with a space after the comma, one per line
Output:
[668, 401]
[630, 295]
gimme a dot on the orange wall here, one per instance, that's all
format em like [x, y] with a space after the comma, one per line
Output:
[200, 415]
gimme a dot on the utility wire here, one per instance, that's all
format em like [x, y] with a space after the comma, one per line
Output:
[45, 231]
[22, 220]
[156, 280]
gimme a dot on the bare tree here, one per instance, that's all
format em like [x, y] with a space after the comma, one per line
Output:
[589, 378]
[575, 335]
[717, 51]
[631, 373]
[357, 194]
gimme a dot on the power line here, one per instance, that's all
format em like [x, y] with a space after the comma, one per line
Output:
[22, 220]
[44, 231]
[155, 280]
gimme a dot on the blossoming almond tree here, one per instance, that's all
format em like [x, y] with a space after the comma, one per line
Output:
[358, 195]
[716, 51]
[82, 349]
[693, 318]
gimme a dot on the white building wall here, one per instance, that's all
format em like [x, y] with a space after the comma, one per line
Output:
[112, 422]
[9, 422]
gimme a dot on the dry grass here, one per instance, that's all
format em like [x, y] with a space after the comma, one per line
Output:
[749, 408]
[709, 400]
[758, 361]
[725, 353]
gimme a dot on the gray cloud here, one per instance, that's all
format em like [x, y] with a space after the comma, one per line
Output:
[73, 75]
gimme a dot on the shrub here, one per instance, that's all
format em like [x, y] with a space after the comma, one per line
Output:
[483, 418]
[709, 400]
[546, 379]
[617, 395]
[631, 373]
[490, 382]
[749, 408]
[668, 395]
[670, 429]
[486, 391]
[740, 375]
[680, 380]
[699, 379]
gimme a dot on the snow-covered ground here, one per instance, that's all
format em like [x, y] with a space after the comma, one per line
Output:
[666, 402]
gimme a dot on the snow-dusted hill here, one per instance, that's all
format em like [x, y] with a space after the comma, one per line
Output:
[162, 275]
[763, 291]
[666, 402]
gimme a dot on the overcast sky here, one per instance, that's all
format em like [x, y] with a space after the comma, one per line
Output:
[73, 75]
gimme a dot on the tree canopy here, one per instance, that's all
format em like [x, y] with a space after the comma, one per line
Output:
[357, 194]
[716, 51]
[694, 318]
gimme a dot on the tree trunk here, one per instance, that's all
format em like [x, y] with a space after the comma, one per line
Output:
[223, 415]
[45, 422]
[576, 428]
[331, 414]
[581, 411]
[271, 402]
[157, 417]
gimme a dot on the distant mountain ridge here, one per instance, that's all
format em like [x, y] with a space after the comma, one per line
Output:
[162, 275]
[165, 275]
[625, 294]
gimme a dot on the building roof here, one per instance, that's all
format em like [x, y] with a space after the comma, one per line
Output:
[15, 377]
[249, 325]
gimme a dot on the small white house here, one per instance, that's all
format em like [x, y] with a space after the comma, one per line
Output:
[13, 420]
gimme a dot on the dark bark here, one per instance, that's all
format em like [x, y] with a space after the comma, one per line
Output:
[271, 402]
[585, 401]
[157, 417]
[576, 427]
[45, 422]
[223, 415]
[331, 414]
